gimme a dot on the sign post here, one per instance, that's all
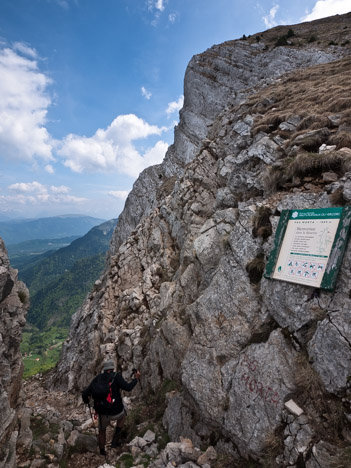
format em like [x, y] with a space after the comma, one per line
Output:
[309, 246]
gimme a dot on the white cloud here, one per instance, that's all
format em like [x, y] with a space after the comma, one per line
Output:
[24, 49]
[28, 187]
[59, 189]
[35, 193]
[113, 148]
[172, 17]
[159, 5]
[49, 169]
[175, 106]
[120, 194]
[269, 20]
[324, 8]
[156, 5]
[155, 154]
[23, 106]
[144, 92]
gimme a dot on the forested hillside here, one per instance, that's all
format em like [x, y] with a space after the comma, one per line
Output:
[50, 269]
[58, 283]
[56, 302]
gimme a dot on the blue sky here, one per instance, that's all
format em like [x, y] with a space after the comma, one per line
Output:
[90, 90]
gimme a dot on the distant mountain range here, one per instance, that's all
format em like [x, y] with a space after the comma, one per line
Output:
[15, 231]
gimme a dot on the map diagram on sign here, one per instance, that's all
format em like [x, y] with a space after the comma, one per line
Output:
[324, 240]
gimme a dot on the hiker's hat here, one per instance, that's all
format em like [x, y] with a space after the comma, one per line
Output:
[108, 365]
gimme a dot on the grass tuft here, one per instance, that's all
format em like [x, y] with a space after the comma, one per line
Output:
[255, 269]
[262, 226]
[337, 198]
[343, 460]
[341, 140]
[306, 164]
[274, 445]
[23, 297]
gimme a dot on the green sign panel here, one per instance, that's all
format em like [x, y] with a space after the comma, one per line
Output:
[309, 246]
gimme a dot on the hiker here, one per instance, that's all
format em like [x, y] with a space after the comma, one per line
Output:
[108, 404]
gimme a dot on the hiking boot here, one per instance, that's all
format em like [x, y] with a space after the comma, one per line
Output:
[103, 451]
[115, 442]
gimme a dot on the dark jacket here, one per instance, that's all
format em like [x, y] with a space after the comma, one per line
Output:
[118, 384]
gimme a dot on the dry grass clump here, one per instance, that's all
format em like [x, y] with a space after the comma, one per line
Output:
[255, 269]
[273, 446]
[311, 394]
[311, 140]
[340, 104]
[305, 164]
[314, 122]
[275, 177]
[269, 123]
[341, 140]
[166, 188]
[262, 226]
[316, 95]
[311, 163]
[307, 380]
[337, 198]
[343, 460]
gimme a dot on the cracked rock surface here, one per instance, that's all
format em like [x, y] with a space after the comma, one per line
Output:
[14, 300]
[183, 296]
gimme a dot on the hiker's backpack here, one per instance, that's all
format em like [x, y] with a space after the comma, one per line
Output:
[101, 391]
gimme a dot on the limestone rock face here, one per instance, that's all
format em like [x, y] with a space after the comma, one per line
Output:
[183, 296]
[14, 299]
[213, 81]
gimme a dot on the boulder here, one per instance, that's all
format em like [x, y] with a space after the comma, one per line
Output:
[149, 437]
[82, 442]
[206, 458]
[25, 437]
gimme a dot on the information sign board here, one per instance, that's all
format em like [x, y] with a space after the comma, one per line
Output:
[309, 246]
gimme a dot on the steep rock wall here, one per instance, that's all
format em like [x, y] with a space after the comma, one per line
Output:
[183, 296]
[13, 306]
[218, 78]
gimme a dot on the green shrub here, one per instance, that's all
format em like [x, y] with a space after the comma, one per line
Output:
[281, 41]
[126, 461]
[312, 39]
[39, 427]
[23, 297]
[162, 441]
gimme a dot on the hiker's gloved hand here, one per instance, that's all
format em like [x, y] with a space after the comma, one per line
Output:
[137, 375]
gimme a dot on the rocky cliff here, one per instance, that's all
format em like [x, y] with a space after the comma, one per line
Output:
[266, 126]
[13, 306]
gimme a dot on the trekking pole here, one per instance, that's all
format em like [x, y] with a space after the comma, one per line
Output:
[92, 419]
[133, 374]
